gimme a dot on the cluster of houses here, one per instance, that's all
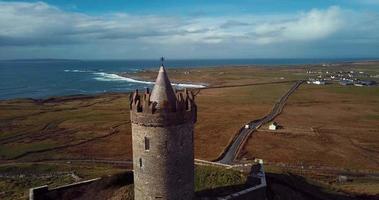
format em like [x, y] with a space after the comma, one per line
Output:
[357, 78]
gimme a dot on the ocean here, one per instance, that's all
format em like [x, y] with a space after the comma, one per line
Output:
[47, 78]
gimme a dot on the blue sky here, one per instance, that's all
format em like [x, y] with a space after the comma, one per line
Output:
[94, 29]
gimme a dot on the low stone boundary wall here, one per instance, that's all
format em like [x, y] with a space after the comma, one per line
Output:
[205, 162]
[38, 193]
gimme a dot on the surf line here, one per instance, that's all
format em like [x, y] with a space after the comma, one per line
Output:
[102, 76]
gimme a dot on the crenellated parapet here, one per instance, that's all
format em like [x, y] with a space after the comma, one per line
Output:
[146, 112]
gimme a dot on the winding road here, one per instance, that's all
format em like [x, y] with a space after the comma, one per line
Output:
[243, 134]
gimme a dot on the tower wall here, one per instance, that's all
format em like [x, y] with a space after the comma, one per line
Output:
[166, 170]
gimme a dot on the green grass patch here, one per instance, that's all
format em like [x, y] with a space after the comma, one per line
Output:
[372, 117]
[18, 178]
[208, 177]
[358, 91]
[13, 150]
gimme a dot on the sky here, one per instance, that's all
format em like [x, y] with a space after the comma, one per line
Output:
[149, 29]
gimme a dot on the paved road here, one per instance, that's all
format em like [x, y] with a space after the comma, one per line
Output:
[230, 154]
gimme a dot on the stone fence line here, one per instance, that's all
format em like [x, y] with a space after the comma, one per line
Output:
[36, 192]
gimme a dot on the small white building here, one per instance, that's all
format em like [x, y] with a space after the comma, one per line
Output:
[273, 126]
[342, 179]
[319, 82]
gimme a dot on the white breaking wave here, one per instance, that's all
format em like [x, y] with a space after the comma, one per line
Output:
[74, 70]
[185, 85]
[114, 77]
[101, 76]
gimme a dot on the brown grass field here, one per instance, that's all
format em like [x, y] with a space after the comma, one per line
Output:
[324, 126]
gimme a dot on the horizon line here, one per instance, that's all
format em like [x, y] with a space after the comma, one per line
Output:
[174, 59]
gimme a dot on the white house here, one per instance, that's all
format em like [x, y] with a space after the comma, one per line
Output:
[319, 82]
[273, 126]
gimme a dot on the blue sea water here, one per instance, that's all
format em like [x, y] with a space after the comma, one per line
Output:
[46, 78]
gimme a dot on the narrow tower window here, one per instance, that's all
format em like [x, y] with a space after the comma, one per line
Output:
[166, 145]
[140, 162]
[147, 144]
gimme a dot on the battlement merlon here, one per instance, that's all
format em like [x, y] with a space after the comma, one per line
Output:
[144, 111]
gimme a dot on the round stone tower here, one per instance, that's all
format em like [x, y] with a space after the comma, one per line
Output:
[162, 132]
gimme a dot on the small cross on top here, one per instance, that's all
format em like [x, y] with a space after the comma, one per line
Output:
[162, 60]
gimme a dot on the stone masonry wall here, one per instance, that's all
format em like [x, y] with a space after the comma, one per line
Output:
[166, 169]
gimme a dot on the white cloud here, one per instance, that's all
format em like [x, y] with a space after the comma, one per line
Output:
[312, 25]
[40, 24]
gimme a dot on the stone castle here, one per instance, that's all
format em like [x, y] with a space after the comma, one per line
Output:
[162, 135]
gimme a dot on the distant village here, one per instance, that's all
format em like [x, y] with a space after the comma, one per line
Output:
[350, 77]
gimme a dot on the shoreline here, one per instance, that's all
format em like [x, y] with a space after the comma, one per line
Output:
[116, 77]
[146, 76]
[62, 98]
[125, 76]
